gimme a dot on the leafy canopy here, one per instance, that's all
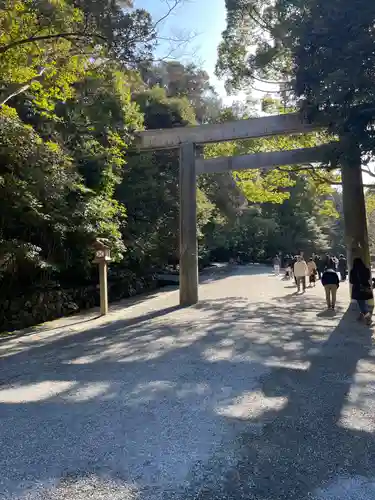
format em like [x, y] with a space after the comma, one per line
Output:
[50, 44]
[320, 50]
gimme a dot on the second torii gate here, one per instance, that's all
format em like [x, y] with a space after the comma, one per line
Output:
[186, 139]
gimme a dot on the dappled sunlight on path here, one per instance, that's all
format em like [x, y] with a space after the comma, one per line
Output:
[253, 393]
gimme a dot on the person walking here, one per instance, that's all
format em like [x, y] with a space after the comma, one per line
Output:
[326, 261]
[300, 273]
[336, 261]
[343, 267]
[360, 279]
[311, 266]
[294, 260]
[317, 260]
[322, 266]
[288, 267]
[276, 265]
[331, 283]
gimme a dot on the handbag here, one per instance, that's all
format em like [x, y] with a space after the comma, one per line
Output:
[366, 289]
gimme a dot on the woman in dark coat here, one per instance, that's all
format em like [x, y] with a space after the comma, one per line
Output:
[360, 279]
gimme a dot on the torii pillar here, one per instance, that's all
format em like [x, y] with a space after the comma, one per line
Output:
[188, 226]
[355, 220]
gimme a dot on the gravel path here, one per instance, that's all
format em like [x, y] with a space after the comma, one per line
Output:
[255, 393]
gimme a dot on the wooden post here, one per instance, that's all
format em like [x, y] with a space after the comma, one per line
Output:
[103, 286]
[188, 227]
[102, 257]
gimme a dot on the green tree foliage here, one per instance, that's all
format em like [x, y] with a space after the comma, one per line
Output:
[247, 236]
[370, 209]
[42, 200]
[162, 111]
[47, 45]
[60, 169]
[261, 231]
[300, 225]
[187, 81]
[321, 50]
[96, 126]
[78, 172]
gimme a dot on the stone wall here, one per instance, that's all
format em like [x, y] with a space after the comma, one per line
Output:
[53, 301]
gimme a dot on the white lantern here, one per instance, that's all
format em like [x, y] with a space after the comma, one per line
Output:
[102, 252]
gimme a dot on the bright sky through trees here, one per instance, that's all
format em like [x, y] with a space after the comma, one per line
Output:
[205, 19]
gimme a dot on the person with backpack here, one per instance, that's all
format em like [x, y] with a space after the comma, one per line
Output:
[331, 283]
[360, 279]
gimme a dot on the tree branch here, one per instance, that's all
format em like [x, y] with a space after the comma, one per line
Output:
[21, 87]
[55, 36]
[259, 21]
[167, 14]
[323, 179]
[368, 172]
[294, 169]
[153, 31]
[312, 170]
[270, 82]
[267, 91]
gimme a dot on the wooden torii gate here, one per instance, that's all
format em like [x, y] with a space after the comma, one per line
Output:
[186, 139]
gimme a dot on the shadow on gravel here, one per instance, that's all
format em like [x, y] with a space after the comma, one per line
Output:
[150, 403]
[305, 446]
[207, 276]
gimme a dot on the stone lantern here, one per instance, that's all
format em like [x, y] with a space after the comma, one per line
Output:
[102, 257]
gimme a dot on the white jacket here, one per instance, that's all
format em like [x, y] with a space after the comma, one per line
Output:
[301, 269]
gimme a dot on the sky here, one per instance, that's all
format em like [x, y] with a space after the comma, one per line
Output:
[203, 19]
